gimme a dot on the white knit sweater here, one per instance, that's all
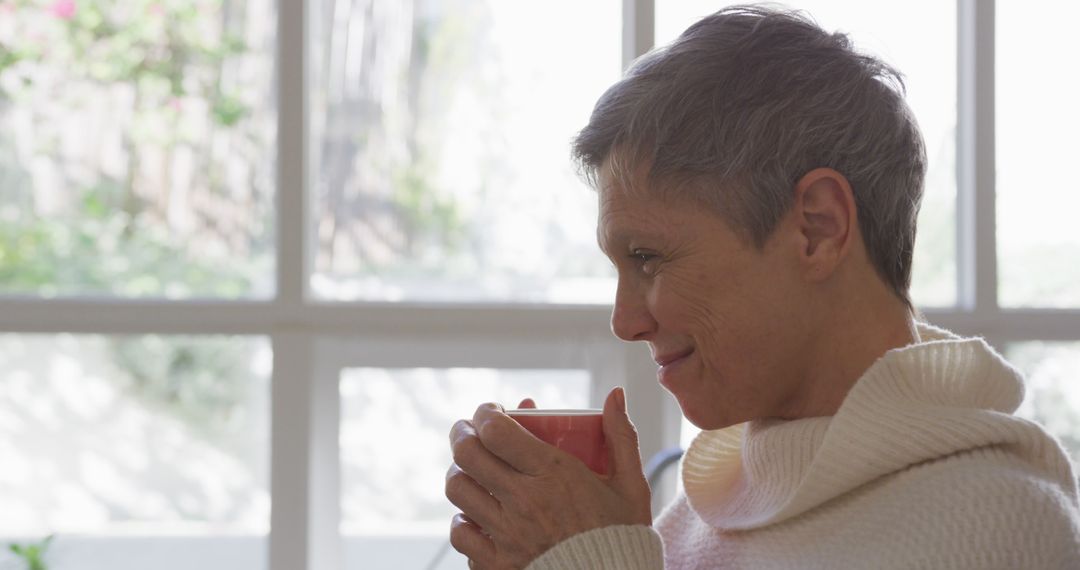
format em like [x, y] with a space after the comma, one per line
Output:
[923, 466]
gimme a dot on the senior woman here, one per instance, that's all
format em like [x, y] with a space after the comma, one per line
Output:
[759, 182]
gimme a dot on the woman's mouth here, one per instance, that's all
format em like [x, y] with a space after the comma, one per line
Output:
[669, 363]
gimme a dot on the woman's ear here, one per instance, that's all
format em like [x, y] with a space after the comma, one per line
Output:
[824, 212]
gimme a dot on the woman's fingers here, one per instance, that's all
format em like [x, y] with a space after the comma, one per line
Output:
[510, 442]
[471, 455]
[467, 538]
[473, 500]
[624, 452]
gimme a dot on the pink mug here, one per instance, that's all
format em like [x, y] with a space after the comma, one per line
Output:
[577, 432]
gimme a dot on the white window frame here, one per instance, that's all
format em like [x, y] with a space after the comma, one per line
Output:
[313, 341]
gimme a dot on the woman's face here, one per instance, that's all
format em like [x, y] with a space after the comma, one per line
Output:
[726, 323]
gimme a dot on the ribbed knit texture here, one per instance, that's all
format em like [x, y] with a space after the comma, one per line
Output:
[923, 466]
[610, 548]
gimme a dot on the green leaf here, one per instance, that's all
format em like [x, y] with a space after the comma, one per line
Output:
[8, 57]
[233, 44]
[229, 110]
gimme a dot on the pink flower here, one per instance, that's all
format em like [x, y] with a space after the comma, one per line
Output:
[63, 9]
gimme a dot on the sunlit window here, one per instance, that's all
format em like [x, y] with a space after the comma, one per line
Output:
[1037, 122]
[441, 166]
[136, 148]
[136, 448]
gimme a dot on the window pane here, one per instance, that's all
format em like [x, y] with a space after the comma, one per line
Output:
[1038, 194]
[137, 452]
[442, 134]
[136, 148]
[928, 61]
[1053, 388]
[395, 452]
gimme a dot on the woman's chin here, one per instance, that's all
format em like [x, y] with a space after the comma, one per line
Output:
[701, 417]
[697, 411]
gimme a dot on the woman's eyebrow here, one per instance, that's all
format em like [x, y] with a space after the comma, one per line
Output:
[606, 236]
[604, 241]
[621, 235]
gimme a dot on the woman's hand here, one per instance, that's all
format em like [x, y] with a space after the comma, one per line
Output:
[520, 496]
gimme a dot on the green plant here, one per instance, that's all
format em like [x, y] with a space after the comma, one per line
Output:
[111, 226]
[33, 553]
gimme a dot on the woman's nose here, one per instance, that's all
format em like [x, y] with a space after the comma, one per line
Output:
[630, 318]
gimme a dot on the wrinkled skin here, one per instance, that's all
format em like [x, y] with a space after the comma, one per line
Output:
[520, 496]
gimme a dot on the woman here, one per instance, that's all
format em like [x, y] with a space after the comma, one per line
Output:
[759, 182]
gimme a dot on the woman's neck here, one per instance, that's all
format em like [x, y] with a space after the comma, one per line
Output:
[848, 342]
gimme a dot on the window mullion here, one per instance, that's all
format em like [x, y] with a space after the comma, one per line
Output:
[299, 518]
[638, 33]
[292, 147]
[291, 434]
[304, 456]
[976, 209]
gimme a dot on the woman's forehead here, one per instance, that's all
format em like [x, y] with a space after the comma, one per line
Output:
[628, 216]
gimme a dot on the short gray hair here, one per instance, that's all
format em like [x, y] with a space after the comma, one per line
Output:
[752, 98]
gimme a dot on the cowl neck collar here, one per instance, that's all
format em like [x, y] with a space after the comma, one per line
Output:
[924, 401]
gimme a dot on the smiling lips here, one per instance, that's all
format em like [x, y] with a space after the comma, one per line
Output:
[668, 363]
[665, 360]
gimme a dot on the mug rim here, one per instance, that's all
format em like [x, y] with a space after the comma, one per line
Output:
[555, 412]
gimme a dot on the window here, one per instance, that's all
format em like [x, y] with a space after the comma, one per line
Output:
[207, 208]
[110, 438]
[1037, 194]
[287, 241]
[441, 162]
[137, 149]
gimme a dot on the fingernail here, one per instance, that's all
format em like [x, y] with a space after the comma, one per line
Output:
[620, 396]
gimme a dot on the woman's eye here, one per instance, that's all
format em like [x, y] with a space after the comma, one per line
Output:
[645, 259]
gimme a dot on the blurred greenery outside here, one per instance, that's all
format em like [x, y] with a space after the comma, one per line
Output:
[201, 381]
[458, 185]
[99, 230]
[115, 231]
[108, 433]
[382, 208]
[111, 230]
[106, 231]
